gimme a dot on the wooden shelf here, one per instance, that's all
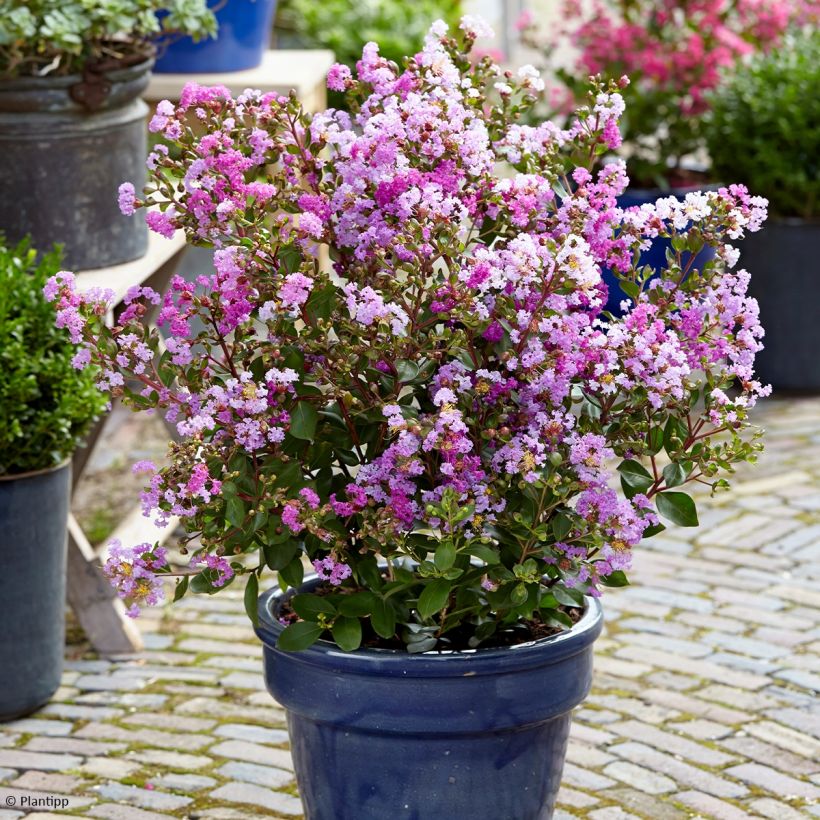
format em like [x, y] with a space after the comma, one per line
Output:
[282, 70]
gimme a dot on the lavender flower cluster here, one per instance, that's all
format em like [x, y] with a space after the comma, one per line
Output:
[437, 420]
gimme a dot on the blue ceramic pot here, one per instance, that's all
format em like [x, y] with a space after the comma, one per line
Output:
[379, 734]
[656, 255]
[33, 538]
[243, 36]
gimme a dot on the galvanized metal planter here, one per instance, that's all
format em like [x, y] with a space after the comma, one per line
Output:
[66, 144]
[33, 538]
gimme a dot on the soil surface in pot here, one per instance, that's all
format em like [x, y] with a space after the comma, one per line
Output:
[457, 640]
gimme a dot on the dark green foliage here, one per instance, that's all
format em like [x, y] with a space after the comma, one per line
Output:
[765, 127]
[46, 406]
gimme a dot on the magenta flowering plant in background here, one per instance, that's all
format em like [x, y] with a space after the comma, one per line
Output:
[674, 53]
[441, 420]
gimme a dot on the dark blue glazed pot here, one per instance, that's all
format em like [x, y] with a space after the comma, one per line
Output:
[379, 734]
[656, 255]
[33, 538]
[244, 34]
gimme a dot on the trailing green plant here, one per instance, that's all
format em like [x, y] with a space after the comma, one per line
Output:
[46, 403]
[345, 26]
[765, 126]
[56, 37]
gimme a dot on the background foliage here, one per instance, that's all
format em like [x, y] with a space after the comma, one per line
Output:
[46, 404]
[765, 127]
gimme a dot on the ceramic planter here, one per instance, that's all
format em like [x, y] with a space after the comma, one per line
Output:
[33, 538]
[244, 34]
[381, 734]
[66, 144]
[656, 255]
[782, 259]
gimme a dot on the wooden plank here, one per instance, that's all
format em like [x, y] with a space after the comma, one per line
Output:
[135, 528]
[282, 70]
[98, 609]
[119, 278]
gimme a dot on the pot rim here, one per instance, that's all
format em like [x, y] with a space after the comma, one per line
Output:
[435, 663]
[34, 473]
[119, 74]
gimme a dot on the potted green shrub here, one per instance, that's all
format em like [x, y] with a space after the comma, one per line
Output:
[765, 131]
[72, 126]
[435, 423]
[47, 404]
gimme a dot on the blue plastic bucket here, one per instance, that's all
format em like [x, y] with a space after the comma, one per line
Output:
[243, 37]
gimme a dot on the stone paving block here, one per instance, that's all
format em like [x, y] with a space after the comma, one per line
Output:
[226, 709]
[114, 683]
[148, 737]
[612, 813]
[72, 746]
[757, 616]
[647, 712]
[671, 680]
[114, 768]
[73, 711]
[701, 729]
[746, 646]
[800, 719]
[751, 748]
[18, 759]
[253, 773]
[619, 668]
[7, 774]
[126, 700]
[645, 805]
[212, 647]
[170, 723]
[712, 807]
[258, 796]
[575, 799]
[255, 734]
[171, 760]
[644, 780]
[695, 706]
[253, 753]
[183, 782]
[8, 814]
[45, 782]
[590, 757]
[768, 779]
[115, 811]
[668, 742]
[141, 798]
[786, 738]
[700, 668]
[679, 771]
[751, 701]
[35, 726]
[800, 677]
[243, 680]
[767, 807]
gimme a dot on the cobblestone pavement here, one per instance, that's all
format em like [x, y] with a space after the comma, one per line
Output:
[704, 702]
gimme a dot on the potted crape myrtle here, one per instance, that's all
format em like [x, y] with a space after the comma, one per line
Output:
[72, 126]
[673, 54]
[46, 404]
[434, 424]
[765, 131]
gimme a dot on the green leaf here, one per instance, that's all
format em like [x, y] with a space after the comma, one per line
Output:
[252, 599]
[321, 302]
[654, 441]
[278, 556]
[303, 421]
[356, 605]
[299, 636]
[445, 555]
[561, 525]
[567, 597]
[653, 530]
[383, 618]
[347, 632]
[519, 594]
[484, 552]
[615, 579]
[635, 475]
[434, 597]
[674, 475]
[679, 508]
[235, 511]
[407, 370]
[181, 588]
[310, 607]
[294, 573]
